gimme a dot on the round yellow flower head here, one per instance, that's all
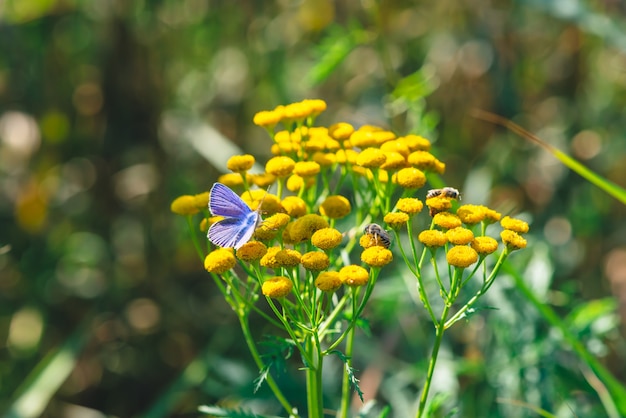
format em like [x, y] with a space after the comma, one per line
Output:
[354, 275]
[287, 234]
[432, 238]
[396, 146]
[313, 145]
[459, 236]
[268, 118]
[262, 180]
[326, 238]
[231, 180]
[512, 240]
[283, 148]
[315, 261]
[240, 163]
[371, 158]
[383, 136]
[277, 287]
[303, 228]
[294, 206]
[328, 281]
[376, 256]
[491, 216]
[288, 258]
[295, 183]
[341, 130]
[306, 168]
[394, 161]
[270, 227]
[515, 225]
[439, 167]
[362, 139]
[346, 156]
[335, 207]
[409, 205]
[316, 106]
[415, 142]
[446, 220]
[184, 205]
[410, 178]
[269, 202]
[251, 251]
[461, 256]
[280, 166]
[438, 204]
[396, 219]
[423, 160]
[471, 214]
[324, 159]
[219, 261]
[269, 259]
[297, 111]
[484, 245]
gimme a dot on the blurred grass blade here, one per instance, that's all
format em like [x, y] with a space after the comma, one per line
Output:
[40, 386]
[611, 188]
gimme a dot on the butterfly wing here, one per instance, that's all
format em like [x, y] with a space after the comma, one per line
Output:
[224, 202]
[233, 232]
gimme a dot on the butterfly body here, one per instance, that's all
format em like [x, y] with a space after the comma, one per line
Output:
[239, 221]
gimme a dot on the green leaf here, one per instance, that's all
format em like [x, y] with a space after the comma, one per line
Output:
[217, 411]
[277, 351]
[583, 316]
[354, 382]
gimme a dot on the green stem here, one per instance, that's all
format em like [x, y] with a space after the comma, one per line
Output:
[315, 399]
[345, 385]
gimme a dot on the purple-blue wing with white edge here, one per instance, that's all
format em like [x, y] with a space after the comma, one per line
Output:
[225, 202]
[233, 232]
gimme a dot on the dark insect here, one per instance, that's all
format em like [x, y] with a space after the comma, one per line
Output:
[379, 234]
[450, 192]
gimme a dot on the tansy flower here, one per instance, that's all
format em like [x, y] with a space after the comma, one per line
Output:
[184, 205]
[371, 158]
[304, 227]
[459, 236]
[269, 259]
[432, 238]
[316, 106]
[438, 204]
[306, 168]
[269, 202]
[294, 206]
[315, 260]
[409, 205]
[396, 146]
[240, 163]
[376, 256]
[513, 224]
[484, 245]
[297, 111]
[335, 207]
[251, 251]
[313, 145]
[326, 238]
[446, 220]
[410, 178]
[281, 148]
[383, 175]
[287, 234]
[328, 281]
[295, 183]
[415, 142]
[262, 180]
[471, 214]
[383, 136]
[394, 160]
[439, 167]
[396, 219]
[346, 156]
[277, 287]
[331, 145]
[270, 227]
[324, 159]
[362, 139]
[423, 160]
[219, 261]
[354, 275]
[341, 130]
[268, 118]
[280, 166]
[461, 256]
[491, 216]
[201, 200]
[512, 240]
[317, 131]
[288, 258]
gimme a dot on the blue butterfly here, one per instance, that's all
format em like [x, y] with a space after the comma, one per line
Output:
[239, 220]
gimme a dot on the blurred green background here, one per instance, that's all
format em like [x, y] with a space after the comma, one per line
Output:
[108, 108]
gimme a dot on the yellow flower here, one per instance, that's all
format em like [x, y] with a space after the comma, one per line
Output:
[306, 168]
[307, 225]
[383, 136]
[341, 130]
[432, 238]
[369, 240]
[315, 260]
[415, 142]
[316, 106]
[438, 204]
[295, 183]
[231, 180]
[423, 160]
[371, 158]
[324, 159]
[439, 167]
[287, 234]
[288, 258]
[262, 180]
[512, 240]
[376, 256]
[328, 281]
[184, 205]
[314, 145]
[396, 219]
[335, 207]
[491, 216]
[484, 245]
[269, 259]
[270, 227]
[201, 200]
[394, 160]
[471, 214]
[240, 163]
[513, 224]
[219, 261]
[277, 287]
[362, 139]
[461, 256]
[410, 178]
[269, 202]
[294, 206]
[280, 166]
[459, 236]
[251, 251]
[285, 148]
[346, 156]
[409, 205]
[396, 146]
[326, 238]
[446, 220]
[268, 118]
[297, 111]
[354, 275]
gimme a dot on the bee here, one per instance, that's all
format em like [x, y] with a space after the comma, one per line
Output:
[450, 192]
[380, 235]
